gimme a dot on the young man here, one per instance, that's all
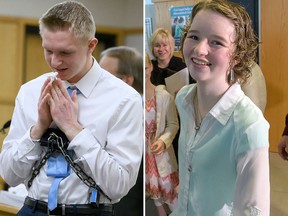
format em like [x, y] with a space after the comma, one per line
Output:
[92, 157]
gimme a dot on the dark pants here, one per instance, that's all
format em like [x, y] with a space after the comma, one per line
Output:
[27, 211]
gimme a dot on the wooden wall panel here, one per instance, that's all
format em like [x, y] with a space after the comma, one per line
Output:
[273, 56]
[35, 63]
[6, 112]
[11, 63]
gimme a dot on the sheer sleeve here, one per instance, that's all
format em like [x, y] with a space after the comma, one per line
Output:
[252, 194]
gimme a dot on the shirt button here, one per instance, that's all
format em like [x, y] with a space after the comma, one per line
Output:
[189, 168]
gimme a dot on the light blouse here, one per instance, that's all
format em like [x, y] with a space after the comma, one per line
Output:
[223, 166]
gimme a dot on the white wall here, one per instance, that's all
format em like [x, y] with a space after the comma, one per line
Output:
[134, 12]
[134, 20]
[110, 13]
[120, 13]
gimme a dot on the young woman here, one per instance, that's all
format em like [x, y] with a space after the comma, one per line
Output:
[161, 125]
[223, 144]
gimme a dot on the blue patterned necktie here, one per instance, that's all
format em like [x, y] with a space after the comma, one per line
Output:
[57, 167]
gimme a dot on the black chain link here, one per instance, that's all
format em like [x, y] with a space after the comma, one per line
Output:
[87, 180]
[36, 170]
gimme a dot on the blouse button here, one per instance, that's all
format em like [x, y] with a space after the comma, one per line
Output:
[189, 168]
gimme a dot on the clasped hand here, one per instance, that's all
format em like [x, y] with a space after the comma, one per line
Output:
[55, 104]
[157, 147]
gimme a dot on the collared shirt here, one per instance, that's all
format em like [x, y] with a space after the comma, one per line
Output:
[223, 166]
[109, 148]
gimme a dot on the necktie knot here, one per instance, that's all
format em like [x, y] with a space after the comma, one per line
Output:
[71, 88]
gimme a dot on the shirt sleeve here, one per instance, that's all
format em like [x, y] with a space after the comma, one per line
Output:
[171, 123]
[19, 153]
[252, 194]
[115, 166]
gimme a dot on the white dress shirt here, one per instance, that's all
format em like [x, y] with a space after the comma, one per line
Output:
[109, 147]
[224, 165]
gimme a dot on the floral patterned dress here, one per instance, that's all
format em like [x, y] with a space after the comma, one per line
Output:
[156, 187]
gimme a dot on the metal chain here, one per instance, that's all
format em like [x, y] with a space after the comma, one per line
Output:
[87, 180]
[36, 170]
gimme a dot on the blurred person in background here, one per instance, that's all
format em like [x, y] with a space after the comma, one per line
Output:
[126, 63]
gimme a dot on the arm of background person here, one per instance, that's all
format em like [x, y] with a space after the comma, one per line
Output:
[255, 87]
[283, 143]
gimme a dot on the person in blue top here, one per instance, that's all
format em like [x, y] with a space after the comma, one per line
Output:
[223, 143]
[179, 27]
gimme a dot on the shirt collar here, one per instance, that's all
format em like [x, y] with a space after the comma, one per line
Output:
[87, 82]
[187, 99]
[224, 108]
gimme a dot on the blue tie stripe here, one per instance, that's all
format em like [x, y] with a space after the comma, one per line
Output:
[57, 167]
[53, 194]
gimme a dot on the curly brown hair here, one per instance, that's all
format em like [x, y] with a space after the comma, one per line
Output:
[246, 43]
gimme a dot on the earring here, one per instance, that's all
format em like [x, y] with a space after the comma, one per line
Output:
[232, 75]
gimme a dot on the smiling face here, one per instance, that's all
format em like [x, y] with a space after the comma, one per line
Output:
[68, 56]
[208, 47]
[162, 49]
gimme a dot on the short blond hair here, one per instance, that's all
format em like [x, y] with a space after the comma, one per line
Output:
[161, 35]
[69, 15]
